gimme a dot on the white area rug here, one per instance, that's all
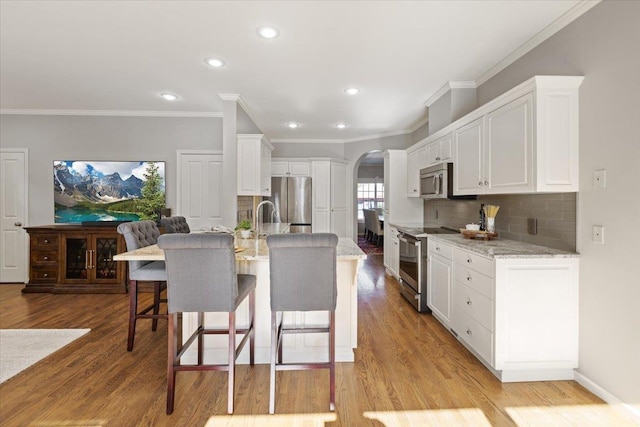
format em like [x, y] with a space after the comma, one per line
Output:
[21, 348]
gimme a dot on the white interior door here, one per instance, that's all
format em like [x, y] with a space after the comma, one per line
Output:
[13, 216]
[200, 188]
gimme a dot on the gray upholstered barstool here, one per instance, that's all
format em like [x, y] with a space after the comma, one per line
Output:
[201, 271]
[175, 224]
[303, 278]
[137, 235]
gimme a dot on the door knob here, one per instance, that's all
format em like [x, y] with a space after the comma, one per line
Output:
[17, 224]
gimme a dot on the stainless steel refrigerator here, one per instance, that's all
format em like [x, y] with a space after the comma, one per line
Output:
[292, 199]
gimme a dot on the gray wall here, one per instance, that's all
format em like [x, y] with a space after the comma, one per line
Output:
[244, 124]
[50, 138]
[440, 113]
[421, 133]
[556, 215]
[602, 45]
[371, 171]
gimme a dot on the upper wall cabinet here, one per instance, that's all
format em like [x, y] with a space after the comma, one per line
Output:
[290, 167]
[440, 150]
[254, 165]
[524, 141]
[416, 160]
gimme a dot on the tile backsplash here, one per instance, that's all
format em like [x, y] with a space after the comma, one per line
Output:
[245, 208]
[556, 215]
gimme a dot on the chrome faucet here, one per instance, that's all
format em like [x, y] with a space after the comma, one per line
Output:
[256, 217]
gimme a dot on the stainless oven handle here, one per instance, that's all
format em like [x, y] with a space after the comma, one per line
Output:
[436, 184]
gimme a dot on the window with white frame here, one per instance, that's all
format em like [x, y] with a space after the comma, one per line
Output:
[370, 196]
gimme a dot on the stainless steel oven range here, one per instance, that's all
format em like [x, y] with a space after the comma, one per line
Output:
[413, 264]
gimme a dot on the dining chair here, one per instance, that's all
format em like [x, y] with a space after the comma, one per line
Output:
[140, 234]
[367, 223]
[175, 224]
[202, 278]
[303, 278]
[377, 229]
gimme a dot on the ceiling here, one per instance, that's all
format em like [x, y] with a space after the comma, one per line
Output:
[116, 57]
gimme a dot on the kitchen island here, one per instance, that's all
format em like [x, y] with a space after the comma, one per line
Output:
[252, 257]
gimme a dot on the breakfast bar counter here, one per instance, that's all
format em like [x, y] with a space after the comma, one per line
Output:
[252, 257]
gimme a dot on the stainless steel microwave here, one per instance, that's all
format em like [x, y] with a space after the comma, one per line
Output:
[436, 182]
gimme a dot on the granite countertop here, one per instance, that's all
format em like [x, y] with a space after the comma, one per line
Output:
[502, 248]
[256, 249]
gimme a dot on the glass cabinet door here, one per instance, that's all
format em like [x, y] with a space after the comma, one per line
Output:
[105, 268]
[77, 258]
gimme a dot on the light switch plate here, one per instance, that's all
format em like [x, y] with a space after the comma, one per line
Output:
[600, 178]
[598, 234]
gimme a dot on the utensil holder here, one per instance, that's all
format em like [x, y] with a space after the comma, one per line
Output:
[491, 225]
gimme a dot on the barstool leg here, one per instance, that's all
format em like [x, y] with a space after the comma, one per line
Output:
[156, 305]
[232, 360]
[332, 361]
[172, 346]
[133, 312]
[272, 378]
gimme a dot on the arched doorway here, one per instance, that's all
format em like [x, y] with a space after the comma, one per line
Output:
[368, 194]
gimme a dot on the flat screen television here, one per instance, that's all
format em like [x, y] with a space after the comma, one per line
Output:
[92, 191]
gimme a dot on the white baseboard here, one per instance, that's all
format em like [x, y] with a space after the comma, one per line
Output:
[629, 410]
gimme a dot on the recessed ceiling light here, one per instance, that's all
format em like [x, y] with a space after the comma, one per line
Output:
[268, 32]
[352, 90]
[293, 125]
[341, 125]
[169, 96]
[215, 62]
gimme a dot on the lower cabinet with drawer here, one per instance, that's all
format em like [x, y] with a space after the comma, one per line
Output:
[75, 259]
[517, 315]
[440, 277]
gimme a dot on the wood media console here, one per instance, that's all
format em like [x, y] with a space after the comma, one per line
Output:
[75, 259]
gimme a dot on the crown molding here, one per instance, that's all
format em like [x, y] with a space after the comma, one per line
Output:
[111, 113]
[229, 96]
[465, 84]
[564, 20]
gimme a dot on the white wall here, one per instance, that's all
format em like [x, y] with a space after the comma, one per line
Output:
[50, 138]
[603, 46]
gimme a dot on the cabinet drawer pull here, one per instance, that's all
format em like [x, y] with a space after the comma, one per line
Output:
[468, 278]
[468, 260]
[469, 332]
[486, 183]
[437, 158]
[469, 301]
[480, 183]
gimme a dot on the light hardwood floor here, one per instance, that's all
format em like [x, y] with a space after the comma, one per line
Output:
[408, 371]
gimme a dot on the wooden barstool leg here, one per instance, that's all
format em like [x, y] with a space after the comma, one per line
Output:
[156, 305]
[172, 337]
[133, 312]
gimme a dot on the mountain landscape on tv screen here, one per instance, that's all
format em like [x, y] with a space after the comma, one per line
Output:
[106, 191]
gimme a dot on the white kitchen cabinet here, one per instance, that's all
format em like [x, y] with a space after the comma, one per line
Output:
[468, 166]
[524, 141]
[416, 160]
[401, 209]
[254, 165]
[330, 182]
[286, 167]
[391, 249]
[439, 279]
[440, 150]
[519, 316]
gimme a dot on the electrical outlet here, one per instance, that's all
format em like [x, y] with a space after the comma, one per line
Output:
[600, 178]
[597, 235]
[436, 213]
[532, 226]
